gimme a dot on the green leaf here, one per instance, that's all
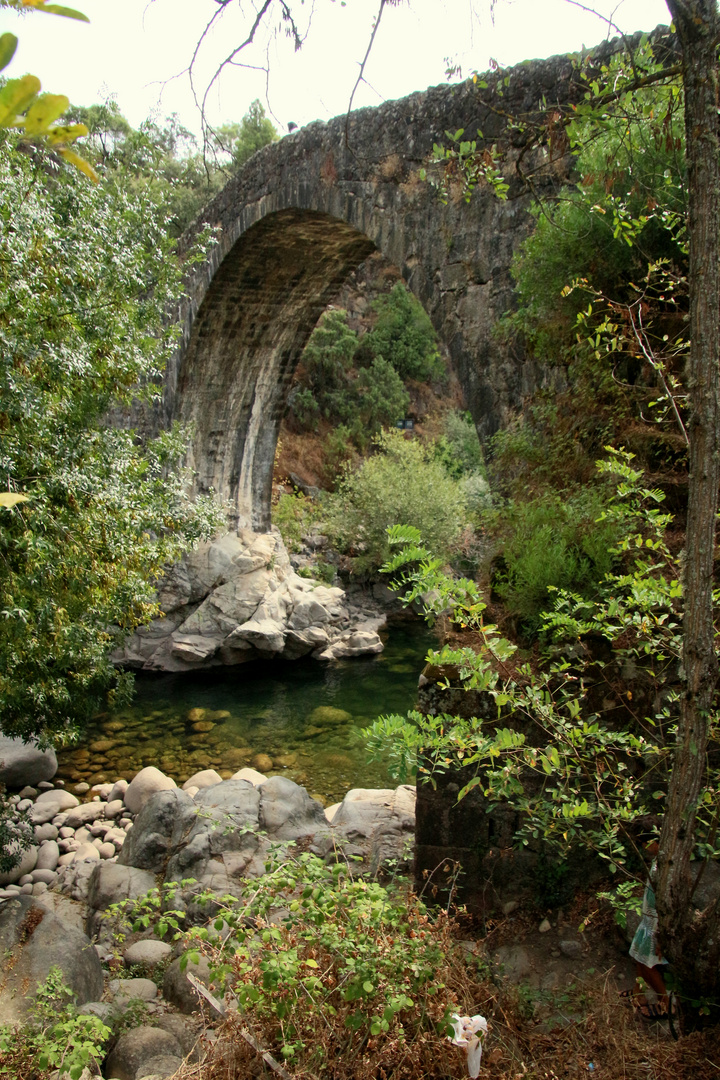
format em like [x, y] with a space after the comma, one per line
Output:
[12, 498]
[368, 987]
[59, 9]
[16, 96]
[8, 45]
[43, 111]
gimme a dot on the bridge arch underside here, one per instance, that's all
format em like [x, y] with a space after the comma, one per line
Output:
[247, 338]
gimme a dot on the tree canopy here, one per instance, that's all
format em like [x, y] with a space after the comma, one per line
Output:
[86, 273]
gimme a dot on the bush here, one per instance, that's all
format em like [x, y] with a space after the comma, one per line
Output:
[552, 542]
[55, 1036]
[352, 979]
[404, 336]
[458, 448]
[294, 516]
[401, 484]
[382, 397]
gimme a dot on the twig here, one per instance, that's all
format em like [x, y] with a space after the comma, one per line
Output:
[222, 1010]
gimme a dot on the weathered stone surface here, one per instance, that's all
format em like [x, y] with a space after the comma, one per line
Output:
[136, 1047]
[147, 952]
[287, 812]
[379, 825]
[39, 940]
[127, 989]
[225, 818]
[25, 866]
[237, 598]
[23, 763]
[177, 988]
[147, 782]
[203, 779]
[159, 1067]
[160, 828]
[111, 883]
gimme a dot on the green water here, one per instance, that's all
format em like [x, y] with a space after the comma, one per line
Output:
[304, 716]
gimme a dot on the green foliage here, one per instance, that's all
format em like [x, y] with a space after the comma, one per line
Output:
[458, 448]
[16, 835]
[294, 515]
[55, 1036]
[86, 276]
[30, 113]
[400, 483]
[382, 398]
[552, 542]
[363, 402]
[162, 160]
[242, 140]
[404, 336]
[326, 969]
[578, 776]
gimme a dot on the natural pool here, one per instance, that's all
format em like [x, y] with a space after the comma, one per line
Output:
[304, 716]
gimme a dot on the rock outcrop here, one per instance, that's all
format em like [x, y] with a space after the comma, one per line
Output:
[238, 599]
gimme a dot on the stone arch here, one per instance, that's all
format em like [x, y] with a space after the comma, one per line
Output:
[300, 216]
[247, 337]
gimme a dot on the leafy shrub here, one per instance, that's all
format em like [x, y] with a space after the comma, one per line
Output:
[328, 356]
[352, 979]
[54, 1037]
[382, 397]
[294, 516]
[552, 542]
[401, 484]
[404, 336]
[458, 448]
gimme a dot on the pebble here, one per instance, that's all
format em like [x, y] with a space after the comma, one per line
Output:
[66, 832]
[544, 926]
[26, 890]
[114, 809]
[24, 804]
[46, 832]
[80, 789]
[47, 876]
[45, 785]
[28, 793]
[107, 850]
[39, 888]
[145, 989]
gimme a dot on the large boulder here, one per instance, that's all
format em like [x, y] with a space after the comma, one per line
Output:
[25, 865]
[136, 1048]
[226, 819]
[378, 825]
[177, 988]
[110, 883]
[147, 782]
[34, 940]
[161, 827]
[287, 812]
[23, 764]
[237, 598]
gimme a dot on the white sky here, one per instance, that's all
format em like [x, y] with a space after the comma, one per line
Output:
[131, 48]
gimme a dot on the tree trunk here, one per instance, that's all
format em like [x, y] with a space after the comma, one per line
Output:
[692, 943]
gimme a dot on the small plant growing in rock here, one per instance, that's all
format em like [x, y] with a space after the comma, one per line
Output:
[55, 1036]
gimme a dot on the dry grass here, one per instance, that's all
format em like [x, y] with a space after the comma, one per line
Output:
[595, 1034]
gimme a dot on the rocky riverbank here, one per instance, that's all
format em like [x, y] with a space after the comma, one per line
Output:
[93, 847]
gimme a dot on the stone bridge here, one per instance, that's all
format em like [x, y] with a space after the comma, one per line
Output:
[304, 213]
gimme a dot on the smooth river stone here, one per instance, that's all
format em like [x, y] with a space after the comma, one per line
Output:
[203, 726]
[102, 745]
